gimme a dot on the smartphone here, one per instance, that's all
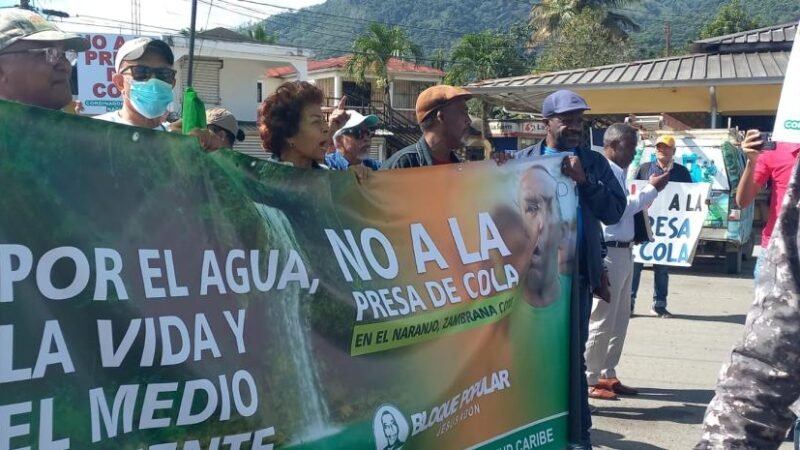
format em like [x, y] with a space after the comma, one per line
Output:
[768, 143]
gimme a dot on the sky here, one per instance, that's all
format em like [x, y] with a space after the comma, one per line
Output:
[159, 16]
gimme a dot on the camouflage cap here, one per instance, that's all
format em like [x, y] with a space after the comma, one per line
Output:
[23, 25]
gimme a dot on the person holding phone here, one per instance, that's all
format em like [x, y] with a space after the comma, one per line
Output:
[767, 161]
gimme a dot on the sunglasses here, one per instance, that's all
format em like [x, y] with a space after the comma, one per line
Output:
[51, 54]
[144, 73]
[360, 133]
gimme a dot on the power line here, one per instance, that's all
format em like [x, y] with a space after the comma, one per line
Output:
[337, 16]
[314, 29]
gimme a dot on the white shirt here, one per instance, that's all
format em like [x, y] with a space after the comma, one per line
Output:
[623, 231]
[114, 116]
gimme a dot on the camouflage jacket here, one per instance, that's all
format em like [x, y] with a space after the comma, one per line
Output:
[762, 379]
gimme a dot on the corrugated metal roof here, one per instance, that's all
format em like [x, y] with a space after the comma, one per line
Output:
[696, 69]
[777, 33]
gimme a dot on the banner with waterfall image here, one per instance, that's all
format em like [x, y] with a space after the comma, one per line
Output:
[153, 296]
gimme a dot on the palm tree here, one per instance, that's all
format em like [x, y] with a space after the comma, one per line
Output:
[259, 33]
[484, 55]
[373, 50]
[549, 15]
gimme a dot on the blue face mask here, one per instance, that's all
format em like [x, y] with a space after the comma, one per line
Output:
[151, 97]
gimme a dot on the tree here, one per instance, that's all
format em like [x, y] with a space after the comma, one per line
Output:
[259, 33]
[549, 16]
[484, 55]
[732, 17]
[584, 42]
[373, 50]
[439, 59]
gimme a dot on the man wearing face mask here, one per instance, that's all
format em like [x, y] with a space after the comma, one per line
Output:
[601, 199]
[146, 78]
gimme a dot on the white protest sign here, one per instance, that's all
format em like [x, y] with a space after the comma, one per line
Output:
[787, 122]
[96, 91]
[676, 218]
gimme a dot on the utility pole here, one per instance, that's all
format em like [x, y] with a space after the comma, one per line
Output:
[192, 30]
[668, 38]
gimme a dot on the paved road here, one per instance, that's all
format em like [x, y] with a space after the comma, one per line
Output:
[675, 362]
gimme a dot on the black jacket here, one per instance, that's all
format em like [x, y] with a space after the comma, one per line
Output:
[416, 155]
[678, 173]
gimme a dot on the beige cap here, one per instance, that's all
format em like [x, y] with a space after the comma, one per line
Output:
[224, 119]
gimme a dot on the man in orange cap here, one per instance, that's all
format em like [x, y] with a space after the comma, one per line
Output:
[665, 154]
[443, 117]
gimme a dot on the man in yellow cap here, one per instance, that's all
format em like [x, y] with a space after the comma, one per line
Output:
[665, 154]
[444, 119]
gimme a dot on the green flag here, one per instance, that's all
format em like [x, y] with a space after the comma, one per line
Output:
[194, 111]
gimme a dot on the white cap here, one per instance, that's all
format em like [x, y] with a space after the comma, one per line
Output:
[135, 48]
[356, 119]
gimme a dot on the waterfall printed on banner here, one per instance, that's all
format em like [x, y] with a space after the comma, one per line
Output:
[312, 405]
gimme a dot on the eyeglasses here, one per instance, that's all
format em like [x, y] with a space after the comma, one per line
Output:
[51, 54]
[359, 133]
[144, 73]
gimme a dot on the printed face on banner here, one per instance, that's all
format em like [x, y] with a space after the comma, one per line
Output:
[390, 428]
[545, 233]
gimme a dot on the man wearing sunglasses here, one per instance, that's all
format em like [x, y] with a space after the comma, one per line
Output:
[36, 59]
[352, 143]
[146, 79]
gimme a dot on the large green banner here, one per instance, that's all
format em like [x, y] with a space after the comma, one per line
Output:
[156, 297]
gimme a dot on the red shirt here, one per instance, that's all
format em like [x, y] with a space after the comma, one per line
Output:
[776, 165]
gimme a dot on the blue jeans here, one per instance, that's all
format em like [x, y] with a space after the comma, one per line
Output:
[660, 287]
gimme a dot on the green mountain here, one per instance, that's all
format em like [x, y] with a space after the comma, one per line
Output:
[329, 28]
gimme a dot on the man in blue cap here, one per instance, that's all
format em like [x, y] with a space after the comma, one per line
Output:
[601, 199]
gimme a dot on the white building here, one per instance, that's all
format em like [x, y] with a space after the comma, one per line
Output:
[230, 71]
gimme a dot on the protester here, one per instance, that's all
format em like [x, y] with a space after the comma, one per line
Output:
[145, 76]
[601, 200]
[751, 408]
[773, 166]
[353, 142]
[293, 128]
[443, 117]
[36, 59]
[665, 154]
[223, 124]
[609, 320]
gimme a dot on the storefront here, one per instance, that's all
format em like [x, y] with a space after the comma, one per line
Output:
[515, 134]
